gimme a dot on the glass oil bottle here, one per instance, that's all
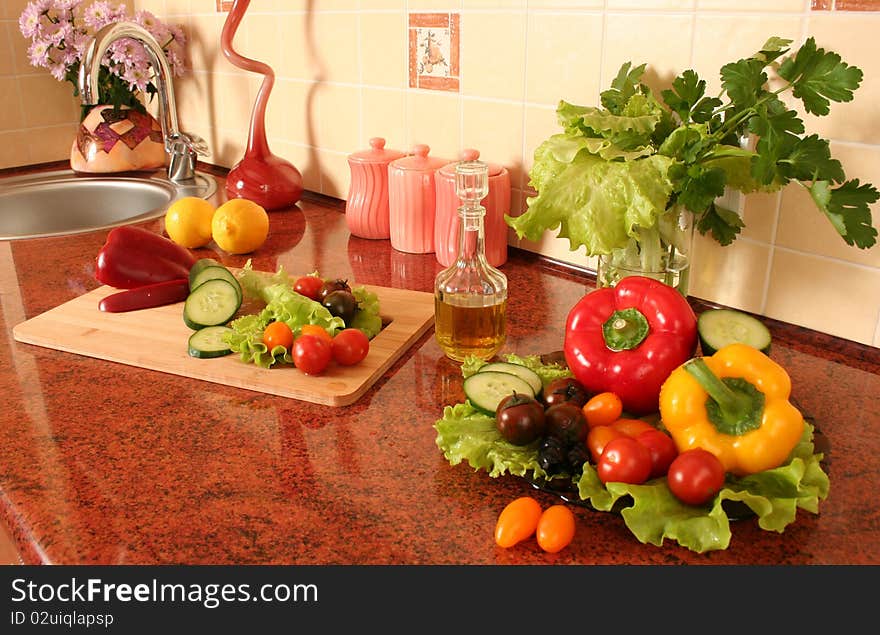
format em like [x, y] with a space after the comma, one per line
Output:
[470, 296]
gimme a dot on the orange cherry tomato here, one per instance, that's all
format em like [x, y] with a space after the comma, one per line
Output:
[277, 334]
[598, 438]
[517, 521]
[314, 329]
[632, 427]
[603, 409]
[555, 528]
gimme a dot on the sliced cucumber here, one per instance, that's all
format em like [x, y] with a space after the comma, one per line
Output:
[198, 266]
[485, 390]
[212, 303]
[719, 327]
[212, 272]
[523, 372]
[208, 342]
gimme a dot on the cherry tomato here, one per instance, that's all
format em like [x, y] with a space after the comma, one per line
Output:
[566, 421]
[309, 286]
[350, 346]
[330, 286]
[314, 329]
[517, 521]
[520, 419]
[632, 427]
[662, 449]
[598, 438]
[555, 528]
[603, 409]
[311, 354]
[695, 476]
[624, 460]
[565, 389]
[277, 334]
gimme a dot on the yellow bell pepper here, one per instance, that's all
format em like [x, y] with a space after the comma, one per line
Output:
[735, 405]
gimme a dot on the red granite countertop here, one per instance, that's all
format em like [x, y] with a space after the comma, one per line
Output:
[102, 463]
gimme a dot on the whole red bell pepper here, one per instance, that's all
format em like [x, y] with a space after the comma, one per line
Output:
[627, 339]
[133, 257]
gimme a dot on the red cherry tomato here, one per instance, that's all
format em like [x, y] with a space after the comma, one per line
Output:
[517, 521]
[598, 438]
[311, 354]
[309, 286]
[555, 529]
[603, 409]
[695, 476]
[662, 449]
[350, 346]
[624, 460]
[277, 334]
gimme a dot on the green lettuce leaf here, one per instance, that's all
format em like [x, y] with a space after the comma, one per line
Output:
[595, 203]
[650, 510]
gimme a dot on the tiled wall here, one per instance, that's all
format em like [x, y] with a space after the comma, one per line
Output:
[343, 76]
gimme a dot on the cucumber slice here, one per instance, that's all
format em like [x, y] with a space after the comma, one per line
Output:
[198, 266]
[519, 370]
[485, 390]
[212, 303]
[212, 272]
[719, 327]
[208, 342]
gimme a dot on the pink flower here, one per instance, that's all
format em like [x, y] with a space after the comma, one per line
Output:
[38, 53]
[30, 21]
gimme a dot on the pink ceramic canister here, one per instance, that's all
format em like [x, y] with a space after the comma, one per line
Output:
[497, 204]
[411, 199]
[366, 211]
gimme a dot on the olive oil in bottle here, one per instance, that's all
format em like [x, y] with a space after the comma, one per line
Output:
[470, 296]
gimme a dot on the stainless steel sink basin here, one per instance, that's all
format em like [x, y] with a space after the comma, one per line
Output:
[62, 202]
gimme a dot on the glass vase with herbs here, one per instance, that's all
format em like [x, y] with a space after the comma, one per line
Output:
[630, 180]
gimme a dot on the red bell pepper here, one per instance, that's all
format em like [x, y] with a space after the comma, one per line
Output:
[628, 339]
[146, 296]
[133, 256]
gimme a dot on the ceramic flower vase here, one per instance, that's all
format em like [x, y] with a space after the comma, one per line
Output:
[117, 140]
[662, 252]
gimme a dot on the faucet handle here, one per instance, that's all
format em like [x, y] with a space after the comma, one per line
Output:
[195, 144]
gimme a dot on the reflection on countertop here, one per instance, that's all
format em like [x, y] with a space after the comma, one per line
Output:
[111, 464]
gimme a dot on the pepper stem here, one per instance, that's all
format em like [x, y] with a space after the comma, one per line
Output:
[625, 329]
[734, 406]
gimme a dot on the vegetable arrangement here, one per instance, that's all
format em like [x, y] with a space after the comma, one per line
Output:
[723, 439]
[616, 176]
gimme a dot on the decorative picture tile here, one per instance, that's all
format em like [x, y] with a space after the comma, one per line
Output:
[434, 51]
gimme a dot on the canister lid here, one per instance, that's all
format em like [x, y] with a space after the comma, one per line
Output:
[469, 154]
[418, 160]
[377, 153]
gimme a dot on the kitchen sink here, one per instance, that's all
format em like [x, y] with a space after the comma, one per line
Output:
[62, 202]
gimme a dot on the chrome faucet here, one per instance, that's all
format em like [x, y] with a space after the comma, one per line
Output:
[182, 148]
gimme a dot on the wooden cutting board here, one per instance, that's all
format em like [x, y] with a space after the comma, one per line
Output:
[157, 339]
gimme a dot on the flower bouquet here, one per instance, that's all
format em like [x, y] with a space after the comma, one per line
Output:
[119, 134]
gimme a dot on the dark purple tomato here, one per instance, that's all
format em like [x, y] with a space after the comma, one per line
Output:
[565, 390]
[341, 304]
[337, 284]
[520, 419]
[567, 422]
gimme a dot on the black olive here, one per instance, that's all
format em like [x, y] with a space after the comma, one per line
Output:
[341, 304]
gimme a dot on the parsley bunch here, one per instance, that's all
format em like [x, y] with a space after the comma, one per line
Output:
[617, 171]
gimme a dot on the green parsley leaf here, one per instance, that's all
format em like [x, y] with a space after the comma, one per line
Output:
[623, 87]
[777, 128]
[700, 187]
[773, 48]
[819, 77]
[810, 160]
[744, 82]
[723, 224]
[847, 209]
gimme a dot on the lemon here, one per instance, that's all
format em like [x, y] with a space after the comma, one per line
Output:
[188, 221]
[240, 226]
